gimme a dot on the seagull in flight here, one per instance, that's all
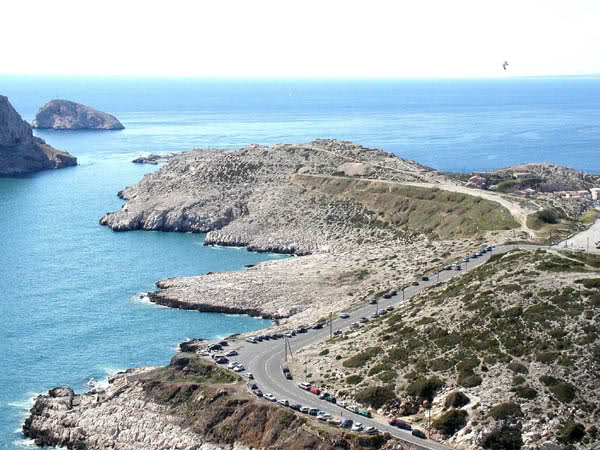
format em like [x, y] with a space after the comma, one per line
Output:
[505, 65]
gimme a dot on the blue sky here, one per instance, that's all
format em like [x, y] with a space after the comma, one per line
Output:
[315, 39]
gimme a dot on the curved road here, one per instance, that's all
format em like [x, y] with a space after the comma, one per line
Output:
[264, 359]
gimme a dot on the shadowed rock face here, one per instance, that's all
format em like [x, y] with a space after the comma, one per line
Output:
[20, 151]
[67, 115]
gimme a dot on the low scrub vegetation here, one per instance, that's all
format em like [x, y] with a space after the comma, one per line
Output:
[505, 411]
[425, 388]
[451, 421]
[456, 399]
[376, 396]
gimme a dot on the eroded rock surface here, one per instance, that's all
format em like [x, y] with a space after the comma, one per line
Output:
[68, 115]
[20, 151]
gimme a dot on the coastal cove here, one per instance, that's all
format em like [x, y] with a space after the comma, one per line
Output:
[70, 308]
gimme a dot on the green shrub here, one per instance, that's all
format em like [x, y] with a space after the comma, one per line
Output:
[505, 411]
[376, 396]
[564, 392]
[525, 392]
[451, 421]
[547, 357]
[456, 399]
[424, 388]
[324, 352]
[379, 368]
[547, 216]
[354, 379]
[518, 380]
[517, 367]
[503, 438]
[572, 432]
[590, 283]
[388, 376]
[549, 380]
[360, 359]
[469, 380]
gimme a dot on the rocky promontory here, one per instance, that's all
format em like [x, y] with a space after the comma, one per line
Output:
[68, 115]
[20, 151]
[189, 404]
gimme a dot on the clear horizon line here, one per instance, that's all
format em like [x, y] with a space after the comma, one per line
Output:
[292, 78]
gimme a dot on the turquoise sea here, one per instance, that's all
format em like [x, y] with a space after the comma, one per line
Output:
[68, 287]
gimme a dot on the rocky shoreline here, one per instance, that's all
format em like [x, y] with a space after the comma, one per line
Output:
[21, 152]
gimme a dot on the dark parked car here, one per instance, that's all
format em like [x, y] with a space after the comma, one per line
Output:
[346, 423]
[287, 373]
[425, 278]
[258, 392]
[296, 406]
[418, 433]
[331, 399]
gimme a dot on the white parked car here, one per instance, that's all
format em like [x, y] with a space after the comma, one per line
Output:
[270, 397]
[284, 402]
[344, 315]
[342, 403]
[324, 416]
[238, 368]
[357, 426]
[352, 408]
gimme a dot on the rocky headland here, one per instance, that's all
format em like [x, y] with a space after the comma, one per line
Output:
[20, 151]
[189, 404]
[68, 115]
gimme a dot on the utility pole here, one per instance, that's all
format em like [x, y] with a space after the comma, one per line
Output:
[403, 292]
[330, 325]
[438, 276]
[285, 347]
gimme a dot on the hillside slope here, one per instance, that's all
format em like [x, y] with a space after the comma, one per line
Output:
[518, 336]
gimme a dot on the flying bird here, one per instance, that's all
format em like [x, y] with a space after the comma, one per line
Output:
[505, 65]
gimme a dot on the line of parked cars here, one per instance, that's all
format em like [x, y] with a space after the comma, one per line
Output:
[331, 399]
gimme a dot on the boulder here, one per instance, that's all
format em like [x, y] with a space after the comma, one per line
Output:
[67, 115]
[20, 151]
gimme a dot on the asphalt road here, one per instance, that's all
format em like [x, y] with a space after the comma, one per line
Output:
[265, 358]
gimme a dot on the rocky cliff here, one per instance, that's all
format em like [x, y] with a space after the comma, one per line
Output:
[190, 404]
[67, 115]
[20, 151]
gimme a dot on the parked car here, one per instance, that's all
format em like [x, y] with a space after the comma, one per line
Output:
[354, 325]
[305, 409]
[287, 373]
[334, 421]
[365, 412]
[415, 283]
[270, 397]
[342, 403]
[239, 368]
[352, 408]
[302, 330]
[363, 320]
[258, 392]
[400, 424]
[346, 423]
[418, 433]
[250, 375]
[331, 399]
[313, 411]
[371, 430]
[344, 315]
[315, 390]
[221, 360]
[374, 316]
[357, 426]
[373, 301]
[296, 406]
[232, 353]
[215, 348]
[251, 340]
[284, 402]
[322, 415]
[258, 338]
[304, 385]
[337, 332]
[324, 395]
[318, 325]
[387, 295]
[425, 278]
[390, 308]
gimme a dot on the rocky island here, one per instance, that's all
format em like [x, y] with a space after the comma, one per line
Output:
[20, 151]
[506, 355]
[67, 115]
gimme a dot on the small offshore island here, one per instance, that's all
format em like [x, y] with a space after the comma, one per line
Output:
[68, 115]
[508, 353]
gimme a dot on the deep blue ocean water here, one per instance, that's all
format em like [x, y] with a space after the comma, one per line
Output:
[68, 287]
